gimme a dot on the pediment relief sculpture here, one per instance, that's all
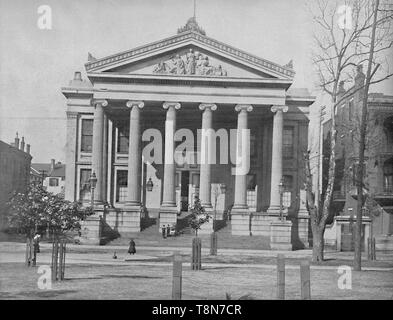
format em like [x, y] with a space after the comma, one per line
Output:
[192, 63]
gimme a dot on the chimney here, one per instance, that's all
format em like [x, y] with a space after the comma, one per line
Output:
[78, 76]
[22, 144]
[28, 148]
[52, 164]
[16, 141]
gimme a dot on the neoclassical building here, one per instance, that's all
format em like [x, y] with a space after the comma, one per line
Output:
[141, 122]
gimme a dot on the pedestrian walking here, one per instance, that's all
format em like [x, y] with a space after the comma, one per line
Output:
[163, 231]
[131, 248]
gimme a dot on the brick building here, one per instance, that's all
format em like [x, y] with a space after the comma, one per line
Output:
[15, 162]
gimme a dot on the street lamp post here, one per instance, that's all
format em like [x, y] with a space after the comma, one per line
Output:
[93, 183]
[281, 191]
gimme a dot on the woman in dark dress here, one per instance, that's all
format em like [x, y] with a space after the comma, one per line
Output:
[131, 249]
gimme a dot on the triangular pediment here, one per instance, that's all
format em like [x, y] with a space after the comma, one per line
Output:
[189, 54]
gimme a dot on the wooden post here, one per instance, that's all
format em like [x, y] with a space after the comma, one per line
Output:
[56, 259]
[305, 280]
[213, 244]
[31, 252]
[177, 277]
[60, 269]
[196, 263]
[369, 249]
[27, 252]
[64, 255]
[374, 251]
[281, 277]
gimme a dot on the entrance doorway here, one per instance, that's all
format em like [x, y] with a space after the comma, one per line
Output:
[184, 189]
[188, 189]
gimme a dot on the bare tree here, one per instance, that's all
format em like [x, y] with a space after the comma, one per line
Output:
[342, 41]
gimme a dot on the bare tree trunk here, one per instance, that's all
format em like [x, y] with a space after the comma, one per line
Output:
[362, 147]
[318, 243]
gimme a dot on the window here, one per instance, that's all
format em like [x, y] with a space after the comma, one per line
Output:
[287, 195]
[87, 135]
[53, 182]
[388, 176]
[84, 185]
[288, 142]
[123, 133]
[121, 185]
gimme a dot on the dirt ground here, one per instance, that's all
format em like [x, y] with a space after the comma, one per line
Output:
[141, 282]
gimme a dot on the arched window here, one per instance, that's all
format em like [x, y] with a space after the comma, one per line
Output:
[388, 176]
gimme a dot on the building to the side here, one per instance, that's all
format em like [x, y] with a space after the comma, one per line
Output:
[15, 162]
[142, 108]
[378, 177]
[50, 175]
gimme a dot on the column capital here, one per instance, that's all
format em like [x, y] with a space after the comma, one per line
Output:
[102, 102]
[274, 109]
[131, 103]
[245, 107]
[211, 106]
[167, 105]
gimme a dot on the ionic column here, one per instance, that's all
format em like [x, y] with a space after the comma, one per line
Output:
[134, 155]
[276, 176]
[206, 153]
[97, 150]
[169, 192]
[242, 154]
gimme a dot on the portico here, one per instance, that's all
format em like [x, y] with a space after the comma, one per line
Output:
[143, 110]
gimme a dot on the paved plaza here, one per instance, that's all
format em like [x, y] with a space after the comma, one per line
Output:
[92, 273]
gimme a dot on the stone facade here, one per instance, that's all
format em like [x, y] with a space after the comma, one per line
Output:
[127, 103]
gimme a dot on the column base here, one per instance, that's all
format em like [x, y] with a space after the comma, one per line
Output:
[275, 211]
[240, 222]
[280, 235]
[124, 221]
[260, 223]
[167, 215]
[91, 230]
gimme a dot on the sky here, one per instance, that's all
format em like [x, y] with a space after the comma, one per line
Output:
[36, 63]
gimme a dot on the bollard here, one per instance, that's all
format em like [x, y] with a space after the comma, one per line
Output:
[281, 277]
[177, 277]
[305, 280]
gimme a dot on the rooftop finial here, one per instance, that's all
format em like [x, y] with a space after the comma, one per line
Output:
[192, 24]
